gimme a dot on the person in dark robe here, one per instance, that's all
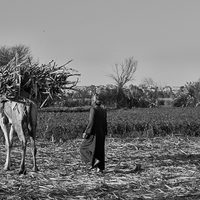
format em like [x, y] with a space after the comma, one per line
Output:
[92, 149]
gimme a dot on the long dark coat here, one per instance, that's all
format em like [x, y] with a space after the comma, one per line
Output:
[93, 146]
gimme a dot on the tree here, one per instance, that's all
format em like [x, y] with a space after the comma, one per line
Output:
[193, 92]
[122, 74]
[8, 53]
[188, 95]
[149, 82]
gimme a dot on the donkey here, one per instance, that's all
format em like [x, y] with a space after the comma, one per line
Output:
[14, 115]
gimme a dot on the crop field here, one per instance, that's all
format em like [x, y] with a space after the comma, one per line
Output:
[165, 142]
[122, 123]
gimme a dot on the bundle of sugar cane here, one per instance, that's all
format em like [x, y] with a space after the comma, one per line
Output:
[36, 79]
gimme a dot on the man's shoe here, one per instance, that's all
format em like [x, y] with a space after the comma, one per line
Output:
[95, 163]
[99, 170]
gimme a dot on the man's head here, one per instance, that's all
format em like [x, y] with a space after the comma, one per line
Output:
[96, 99]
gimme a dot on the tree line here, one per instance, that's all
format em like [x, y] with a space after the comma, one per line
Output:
[118, 95]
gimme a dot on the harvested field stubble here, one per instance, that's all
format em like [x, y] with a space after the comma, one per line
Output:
[170, 170]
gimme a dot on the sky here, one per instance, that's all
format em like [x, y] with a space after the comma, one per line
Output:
[162, 35]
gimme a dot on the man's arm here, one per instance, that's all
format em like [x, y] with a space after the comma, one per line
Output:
[106, 125]
[88, 130]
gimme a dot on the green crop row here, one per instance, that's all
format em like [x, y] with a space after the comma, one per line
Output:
[147, 122]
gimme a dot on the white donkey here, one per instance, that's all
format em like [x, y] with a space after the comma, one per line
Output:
[13, 115]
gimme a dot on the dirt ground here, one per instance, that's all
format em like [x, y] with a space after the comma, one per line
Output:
[170, 169]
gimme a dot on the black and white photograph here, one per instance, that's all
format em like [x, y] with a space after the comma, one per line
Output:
[99, 99]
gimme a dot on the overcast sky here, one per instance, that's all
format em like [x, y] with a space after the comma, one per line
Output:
[162, 35]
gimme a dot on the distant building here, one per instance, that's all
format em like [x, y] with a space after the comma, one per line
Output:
[164, 102]
[176, 89]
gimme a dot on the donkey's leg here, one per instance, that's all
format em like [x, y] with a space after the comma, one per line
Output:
[10, 142]
[22, 138]
[31, 126]
[4, 127]
[32, 133]
[11, 135]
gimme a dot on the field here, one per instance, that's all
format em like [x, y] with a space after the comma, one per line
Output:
[169, 162]
[123, 123]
